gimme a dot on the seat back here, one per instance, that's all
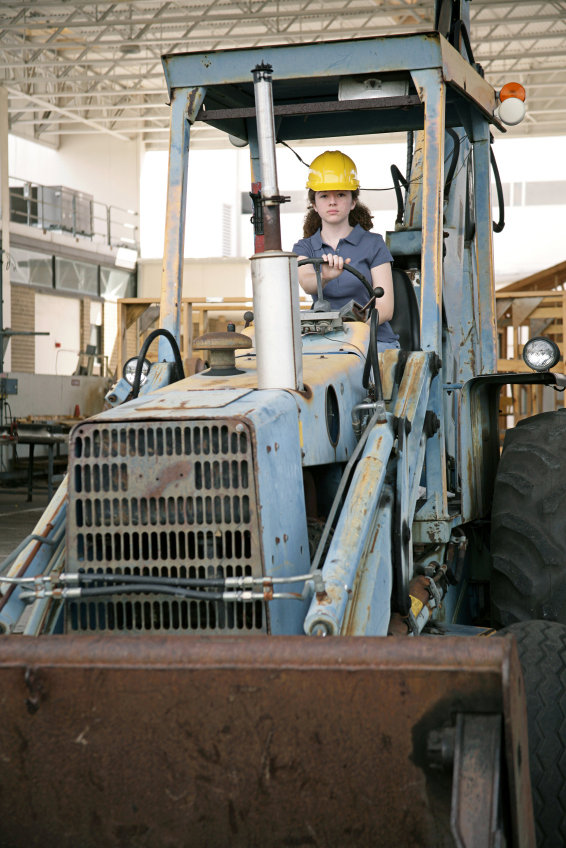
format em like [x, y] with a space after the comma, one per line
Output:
[406, 315]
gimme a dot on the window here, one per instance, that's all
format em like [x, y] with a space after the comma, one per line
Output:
[226, 230]
[32, 268]
[115, 283]
[76, 276]
[95, 339]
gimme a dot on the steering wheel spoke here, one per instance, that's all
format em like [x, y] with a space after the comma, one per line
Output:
[322, 305]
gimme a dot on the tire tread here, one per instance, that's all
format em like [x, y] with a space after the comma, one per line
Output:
[528, 522]
[542, 652]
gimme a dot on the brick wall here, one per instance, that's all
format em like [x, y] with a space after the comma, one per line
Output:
[23, 318]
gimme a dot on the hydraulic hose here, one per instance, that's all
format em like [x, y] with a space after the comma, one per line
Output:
[178, 591]
[367, 371]
[410, 143]
[459, 28]
[497, 227]
[144, 349]
[398, 181]
[372, 359]
[374, 324]
[187, 582]
[453, 162]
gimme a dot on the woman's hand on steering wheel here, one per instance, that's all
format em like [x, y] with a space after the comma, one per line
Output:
[334, 267]
[320, 261]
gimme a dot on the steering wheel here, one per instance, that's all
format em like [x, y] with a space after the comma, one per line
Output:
[323, 305]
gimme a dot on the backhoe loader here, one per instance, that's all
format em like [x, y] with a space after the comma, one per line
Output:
[262, 609]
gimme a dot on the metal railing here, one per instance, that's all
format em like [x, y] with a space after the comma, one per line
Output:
[65, 210]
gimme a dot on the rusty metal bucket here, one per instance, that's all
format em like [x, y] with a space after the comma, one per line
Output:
[282, 741]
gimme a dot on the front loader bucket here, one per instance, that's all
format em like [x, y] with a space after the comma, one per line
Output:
[165, 742]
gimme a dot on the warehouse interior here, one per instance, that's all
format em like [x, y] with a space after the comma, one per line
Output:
[282, 423]
[84, 130]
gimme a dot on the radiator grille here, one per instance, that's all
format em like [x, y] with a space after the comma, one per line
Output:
[170, 500]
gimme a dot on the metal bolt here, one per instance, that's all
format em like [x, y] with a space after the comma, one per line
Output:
[440, 748]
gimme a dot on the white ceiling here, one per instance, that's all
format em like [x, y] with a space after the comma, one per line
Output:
[81, 67]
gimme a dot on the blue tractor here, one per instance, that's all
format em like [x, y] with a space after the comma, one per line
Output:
[267, 604]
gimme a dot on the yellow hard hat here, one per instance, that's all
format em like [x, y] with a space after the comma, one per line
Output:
[332, 171]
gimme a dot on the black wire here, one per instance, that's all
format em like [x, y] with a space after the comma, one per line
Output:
[406, 183]
[294, 152]
[419, 181]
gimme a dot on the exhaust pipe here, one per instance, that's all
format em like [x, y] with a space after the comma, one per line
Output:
[275, 276]
[278, 345]
[263, 93]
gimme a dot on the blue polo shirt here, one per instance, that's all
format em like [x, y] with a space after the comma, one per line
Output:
[366, 251]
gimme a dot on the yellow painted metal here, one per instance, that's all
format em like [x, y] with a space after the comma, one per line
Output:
[332, 171]
[416, 605]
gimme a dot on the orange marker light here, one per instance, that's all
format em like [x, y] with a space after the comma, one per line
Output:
[512, 89]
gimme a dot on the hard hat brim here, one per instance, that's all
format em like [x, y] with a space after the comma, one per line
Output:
[333, 187]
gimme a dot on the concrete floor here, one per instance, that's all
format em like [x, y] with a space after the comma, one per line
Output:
[17, 517]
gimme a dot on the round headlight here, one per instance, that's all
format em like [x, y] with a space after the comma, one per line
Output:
[512, 111]
[541, 354]
[129, 372]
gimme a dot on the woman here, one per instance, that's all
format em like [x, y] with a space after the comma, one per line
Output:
[336, 227]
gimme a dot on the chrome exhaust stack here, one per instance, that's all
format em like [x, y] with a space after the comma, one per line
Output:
[275, 276]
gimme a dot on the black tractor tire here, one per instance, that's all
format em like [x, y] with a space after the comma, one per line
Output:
[528, 523]
[542, 652]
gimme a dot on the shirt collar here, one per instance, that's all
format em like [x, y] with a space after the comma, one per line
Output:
[316, 240]
[356, 235]
[354, 238]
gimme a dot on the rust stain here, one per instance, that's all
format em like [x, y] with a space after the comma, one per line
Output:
[307, 392]
[323, 598]
[374, 541]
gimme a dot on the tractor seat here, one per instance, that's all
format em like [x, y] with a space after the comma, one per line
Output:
[406, 315]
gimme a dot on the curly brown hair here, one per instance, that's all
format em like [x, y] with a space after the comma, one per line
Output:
[360, 214]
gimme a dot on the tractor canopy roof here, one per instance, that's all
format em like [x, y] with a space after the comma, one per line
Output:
[335, 88]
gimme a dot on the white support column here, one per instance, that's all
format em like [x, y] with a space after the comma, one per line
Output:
[6, 292]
